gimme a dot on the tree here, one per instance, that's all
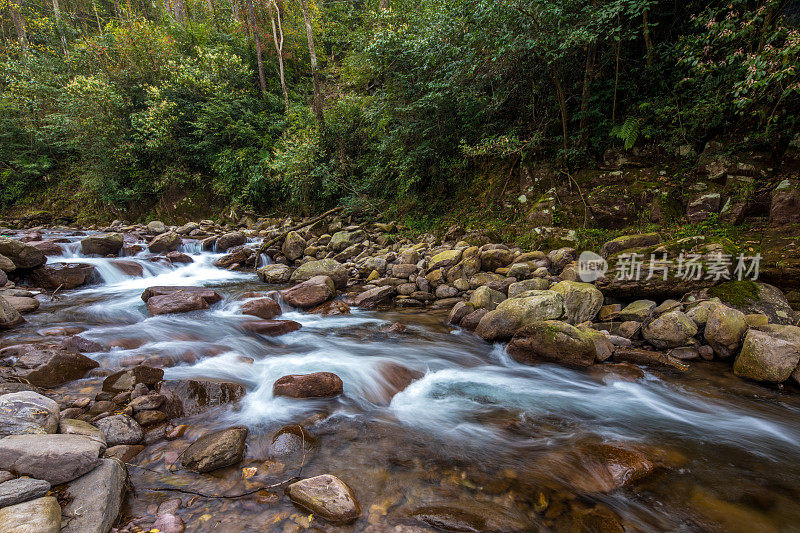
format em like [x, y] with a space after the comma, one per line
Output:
[277, 36]
[251, 17]
[318, 100]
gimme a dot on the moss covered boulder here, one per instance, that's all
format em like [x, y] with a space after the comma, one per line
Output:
[670, 330]
[512, 314]
[553, 341]
[769, 354]
[725, 329]
[582, 301]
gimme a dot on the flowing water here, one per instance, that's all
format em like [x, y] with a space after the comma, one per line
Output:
[476, 436]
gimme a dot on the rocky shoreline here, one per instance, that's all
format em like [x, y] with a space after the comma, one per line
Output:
[64, 456]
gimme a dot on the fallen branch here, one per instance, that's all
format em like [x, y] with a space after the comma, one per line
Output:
[265, 245]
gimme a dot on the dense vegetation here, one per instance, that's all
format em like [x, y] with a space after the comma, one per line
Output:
[120, 102]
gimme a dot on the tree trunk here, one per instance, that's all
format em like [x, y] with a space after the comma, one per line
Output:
[252, 21]
[19, 25]
[97, 17]
[57, 14]
[383, 5]
[562, 104]
[277, 36]
[314, 73]
[180, 12]
[648, 43]
[588, 74]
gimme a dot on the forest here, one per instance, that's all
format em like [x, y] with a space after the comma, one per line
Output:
[302, 105]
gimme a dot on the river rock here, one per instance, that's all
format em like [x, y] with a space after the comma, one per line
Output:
[496, 258]
[699, 312]
[21, 490]
[325, 267]
[177, 302]
[637, 311]
[178, 257]
[126, 380]
[520, 287]
[63, 275]
[582, 301]
[725, 329]
[27, 412]
[23, 304]
[169, 523]
[769, 354]
[486, 298]
[120, 429]
[186, 397]
[23, 255]
[314, 385]
[445, 259]
[156, 227]
[6, 265]
[9, 316]
[42, 515]
[47, 366]
[373, 297]
[209, 295]
[310, 293]
[326, 496]
[71, 426]
[166, 242]
[344, 239]
[670, 330]
[275, 274]
[332, 308]
[48, 247]
[128, 267]
[96, 498]
[554, 341]
[514, 313]
[215, 450]
[229, 240]
[627, 242]
[103, 244]
[293, 246]
[272, 328]
[53, 457]
[265, 308]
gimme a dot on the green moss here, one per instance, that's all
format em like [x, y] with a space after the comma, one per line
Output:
[736, 293]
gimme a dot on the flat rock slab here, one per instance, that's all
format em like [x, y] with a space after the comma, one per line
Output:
[55, 458]
[327, 496]
[96, 499]
[314, 385]
[271, 328]
[209, 295]
[120, 429]
[48, 366]
[42, 515]
[187, 397]
[21, 490]
[27, 412]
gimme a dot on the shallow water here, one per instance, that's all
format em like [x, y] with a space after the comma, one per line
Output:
[475, 432]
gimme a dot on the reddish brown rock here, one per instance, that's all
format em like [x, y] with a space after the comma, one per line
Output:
[177, 302]
[273, 328]
[48, 247]
[315, 385]
[47, 366]
[186, 397]
[63, 275]
[310, 293]
[265, 308]
[127, 267]
[125, 380]
[178, 257]
[332, 308]
[210, 296]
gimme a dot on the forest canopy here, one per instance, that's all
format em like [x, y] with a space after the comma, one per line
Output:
[310, 103]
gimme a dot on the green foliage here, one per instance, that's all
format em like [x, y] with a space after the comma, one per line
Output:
[628, 131]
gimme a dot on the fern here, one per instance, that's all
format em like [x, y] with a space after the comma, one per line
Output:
[628, 132]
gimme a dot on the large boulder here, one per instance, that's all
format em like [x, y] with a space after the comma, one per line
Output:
[725, 329]
[512, 314]
[445, 259]
[47, 366]
[555, 341]
[293, 246]
[752, 297]
[6, 264]
[63, 275]
[166, 242]
[156, 227]
[9, 316]
[96, 498]
[265, 308]
[637, 311]
[177, 302]
[344, 239]
[582, 301]
[314, 385]
[42, 515]
[535, 284]
[120, 429]
[186, 397]
[769, 354]
[310, 293]
[785, 205]
[23, 255]
[372, 297]
[229, 240]
[325, 267]
[48, 247]
[275, 274]
[670, 330]
[486, 298]
[215, 450]
[496, 258]
[103, 244]
[209, 295]
[271, 328]
[27, 412]
[56, 458]
[21, 490]
[326, 496]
